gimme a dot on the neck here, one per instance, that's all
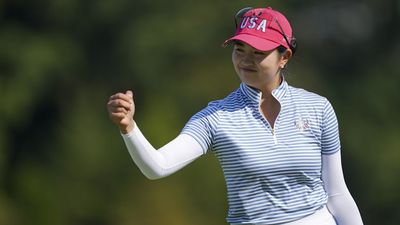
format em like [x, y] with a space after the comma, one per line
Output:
[267, 89]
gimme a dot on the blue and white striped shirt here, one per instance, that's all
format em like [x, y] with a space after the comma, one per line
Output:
[273, 175]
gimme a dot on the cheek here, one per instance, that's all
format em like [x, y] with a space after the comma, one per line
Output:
[234, 58]
[270, 63]
[235, 61]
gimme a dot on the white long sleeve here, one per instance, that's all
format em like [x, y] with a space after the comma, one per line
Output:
[340, 202]
[156, 164]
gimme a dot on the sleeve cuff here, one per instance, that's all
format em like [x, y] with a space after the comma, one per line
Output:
[130, 133]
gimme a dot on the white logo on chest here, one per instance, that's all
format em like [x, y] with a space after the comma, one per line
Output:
[302, 124]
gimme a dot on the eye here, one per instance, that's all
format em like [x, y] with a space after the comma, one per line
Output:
[238, 49]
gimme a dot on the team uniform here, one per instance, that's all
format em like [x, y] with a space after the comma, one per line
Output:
[273, 175]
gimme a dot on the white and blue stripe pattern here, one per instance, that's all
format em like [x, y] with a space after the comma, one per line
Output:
[273, 176]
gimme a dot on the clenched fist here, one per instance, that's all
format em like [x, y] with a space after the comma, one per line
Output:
[121, 109]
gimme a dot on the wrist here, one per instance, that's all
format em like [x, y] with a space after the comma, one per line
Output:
[127, 129]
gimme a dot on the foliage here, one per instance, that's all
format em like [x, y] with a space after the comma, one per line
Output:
[63, 162]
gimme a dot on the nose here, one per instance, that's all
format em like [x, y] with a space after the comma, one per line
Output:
[248, 59]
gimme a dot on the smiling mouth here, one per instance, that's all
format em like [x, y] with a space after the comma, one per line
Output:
[248, 69]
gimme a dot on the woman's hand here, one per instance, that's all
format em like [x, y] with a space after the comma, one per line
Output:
[121, 109]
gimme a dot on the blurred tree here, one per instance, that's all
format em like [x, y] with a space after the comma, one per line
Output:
[63, 162]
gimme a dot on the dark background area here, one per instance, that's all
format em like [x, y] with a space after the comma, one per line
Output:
[63, 162]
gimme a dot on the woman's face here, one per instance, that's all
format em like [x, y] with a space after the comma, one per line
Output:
[256, 68]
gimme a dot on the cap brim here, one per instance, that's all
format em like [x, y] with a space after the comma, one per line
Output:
[254, 41]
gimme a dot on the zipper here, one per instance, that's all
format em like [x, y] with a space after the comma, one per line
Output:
[274, 136]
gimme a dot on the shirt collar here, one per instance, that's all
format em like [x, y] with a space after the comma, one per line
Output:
[255, 95]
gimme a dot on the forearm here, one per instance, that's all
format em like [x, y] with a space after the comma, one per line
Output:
[344, 209]
[340, 202]
[156, 164]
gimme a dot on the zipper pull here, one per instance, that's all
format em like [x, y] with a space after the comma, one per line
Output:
[274, 136]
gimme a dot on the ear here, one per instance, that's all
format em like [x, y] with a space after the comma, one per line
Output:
[285, 57]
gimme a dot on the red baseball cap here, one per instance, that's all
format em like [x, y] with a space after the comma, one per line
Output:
[262, 28]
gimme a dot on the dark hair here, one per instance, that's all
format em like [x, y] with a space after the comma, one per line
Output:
[281, 49]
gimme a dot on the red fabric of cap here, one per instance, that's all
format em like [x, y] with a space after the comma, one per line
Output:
[260, 29]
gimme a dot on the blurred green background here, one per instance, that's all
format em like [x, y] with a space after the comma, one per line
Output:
[63, 162]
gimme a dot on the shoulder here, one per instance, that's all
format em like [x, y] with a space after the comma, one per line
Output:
[307, 95]
[308, 98]
[312, 102]
[229, 102]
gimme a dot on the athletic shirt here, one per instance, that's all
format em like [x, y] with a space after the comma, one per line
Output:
[273, 176]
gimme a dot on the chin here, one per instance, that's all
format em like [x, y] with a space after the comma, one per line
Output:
[252, 84]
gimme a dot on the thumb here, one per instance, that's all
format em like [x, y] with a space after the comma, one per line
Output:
[129, 93]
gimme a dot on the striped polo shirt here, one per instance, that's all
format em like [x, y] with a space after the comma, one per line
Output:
[273, 175]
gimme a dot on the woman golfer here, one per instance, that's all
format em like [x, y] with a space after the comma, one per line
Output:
[278, 145]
